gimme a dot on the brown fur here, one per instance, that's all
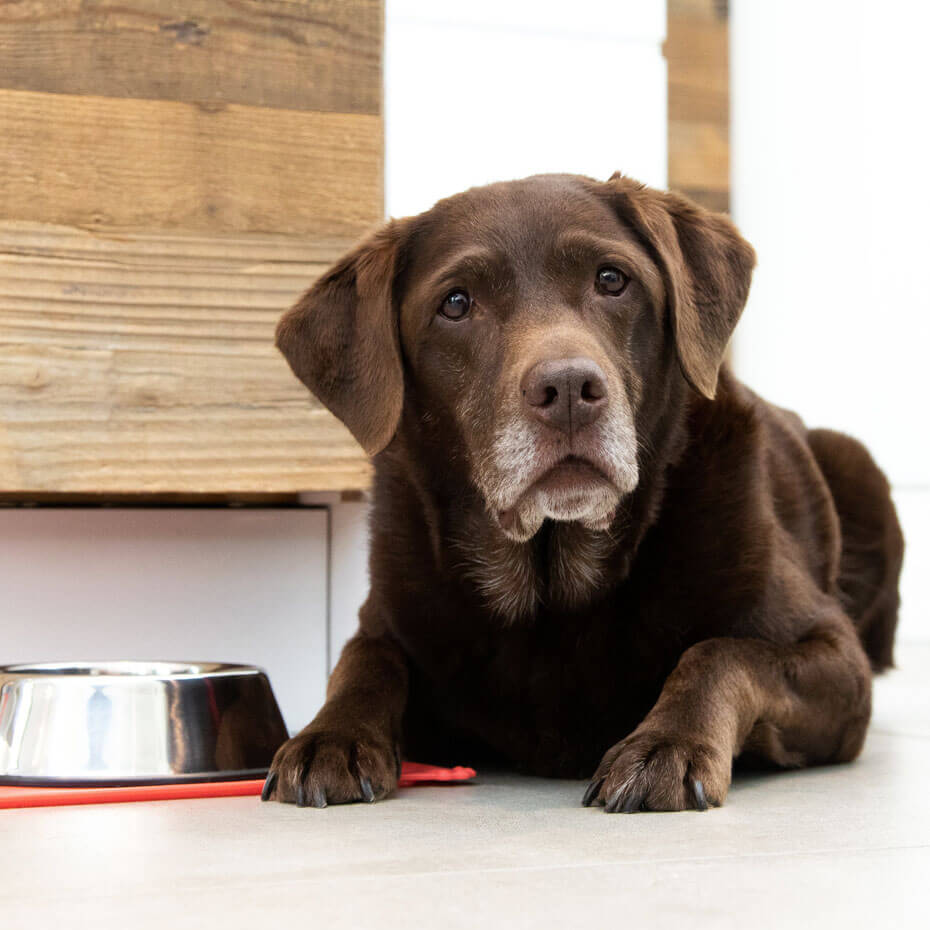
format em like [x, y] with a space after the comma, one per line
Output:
[717, 590]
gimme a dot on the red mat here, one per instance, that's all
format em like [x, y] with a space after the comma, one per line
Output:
[413, 773]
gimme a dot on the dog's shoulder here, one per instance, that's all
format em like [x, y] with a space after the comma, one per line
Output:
[748, 499]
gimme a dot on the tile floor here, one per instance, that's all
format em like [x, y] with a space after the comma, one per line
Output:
[843, 846]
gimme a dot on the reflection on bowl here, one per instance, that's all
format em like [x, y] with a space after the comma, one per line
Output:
[115, 723]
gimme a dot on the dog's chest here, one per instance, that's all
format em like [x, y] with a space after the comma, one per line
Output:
[552, 695]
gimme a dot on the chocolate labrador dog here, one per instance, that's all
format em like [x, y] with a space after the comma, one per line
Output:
[594, 551]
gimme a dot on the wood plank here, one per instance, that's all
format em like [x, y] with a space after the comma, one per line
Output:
[294, 54]
[144, 363]
[698, 83]
[700, 10]
[701, 155]
[99, 162]
[716, 200]
[697, 52]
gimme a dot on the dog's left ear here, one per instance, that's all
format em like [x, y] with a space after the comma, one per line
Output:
[707, 266]
[342, 338]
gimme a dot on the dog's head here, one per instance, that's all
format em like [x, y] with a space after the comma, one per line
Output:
[528, 323]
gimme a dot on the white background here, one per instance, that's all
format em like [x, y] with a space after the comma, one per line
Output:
[489, 91]
[830, 144]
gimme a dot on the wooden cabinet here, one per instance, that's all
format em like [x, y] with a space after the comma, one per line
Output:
[697, 53]
[172, 175]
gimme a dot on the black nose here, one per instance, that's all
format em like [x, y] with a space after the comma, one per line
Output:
[565, 393]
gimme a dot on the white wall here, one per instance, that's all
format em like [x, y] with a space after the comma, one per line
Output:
[830, 147]
[497, 89]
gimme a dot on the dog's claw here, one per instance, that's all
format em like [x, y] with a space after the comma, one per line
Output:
[700, 799]
[300, 798]
[591, 792]
[616, 804]
[319, 797]
[367, 792]
[268, 787]
[613, 802]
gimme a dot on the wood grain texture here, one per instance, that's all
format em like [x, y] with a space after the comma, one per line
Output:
[296, 54]
[173, 173]
[99, 162]
[700, 152]
[697, 52]
[143, 363]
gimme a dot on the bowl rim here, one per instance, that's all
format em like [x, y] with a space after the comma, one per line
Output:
[131, 781]
[125, 670]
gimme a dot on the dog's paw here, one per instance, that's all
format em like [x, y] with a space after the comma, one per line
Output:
[651, 771]
[320, 767]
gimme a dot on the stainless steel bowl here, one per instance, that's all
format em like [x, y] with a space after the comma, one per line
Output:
[121, 723]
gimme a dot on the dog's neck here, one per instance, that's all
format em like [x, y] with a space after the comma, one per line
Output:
[563, 565]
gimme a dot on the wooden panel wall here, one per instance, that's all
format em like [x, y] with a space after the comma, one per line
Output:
[172, 175]
[697, 53]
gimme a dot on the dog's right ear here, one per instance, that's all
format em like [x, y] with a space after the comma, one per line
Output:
[342, 338]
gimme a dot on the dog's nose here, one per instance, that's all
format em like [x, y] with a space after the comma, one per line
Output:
[565, 393]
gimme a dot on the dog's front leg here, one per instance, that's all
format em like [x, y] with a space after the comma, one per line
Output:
[350, 751]
[792, 705]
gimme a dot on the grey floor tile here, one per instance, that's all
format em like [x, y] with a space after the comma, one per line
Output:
[802, 848]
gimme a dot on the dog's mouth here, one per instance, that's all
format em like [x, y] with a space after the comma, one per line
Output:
[533, 475]
[570, 474]
[574, 488]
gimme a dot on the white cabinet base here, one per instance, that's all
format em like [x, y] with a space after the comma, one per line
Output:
[232, 585]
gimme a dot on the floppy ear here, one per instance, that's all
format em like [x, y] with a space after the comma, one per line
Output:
[342, 340]
[707, 266]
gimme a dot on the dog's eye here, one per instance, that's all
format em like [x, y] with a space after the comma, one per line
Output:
[611, 281]
[456, 305]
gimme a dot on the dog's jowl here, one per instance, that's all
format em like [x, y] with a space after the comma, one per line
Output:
[595, 553]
